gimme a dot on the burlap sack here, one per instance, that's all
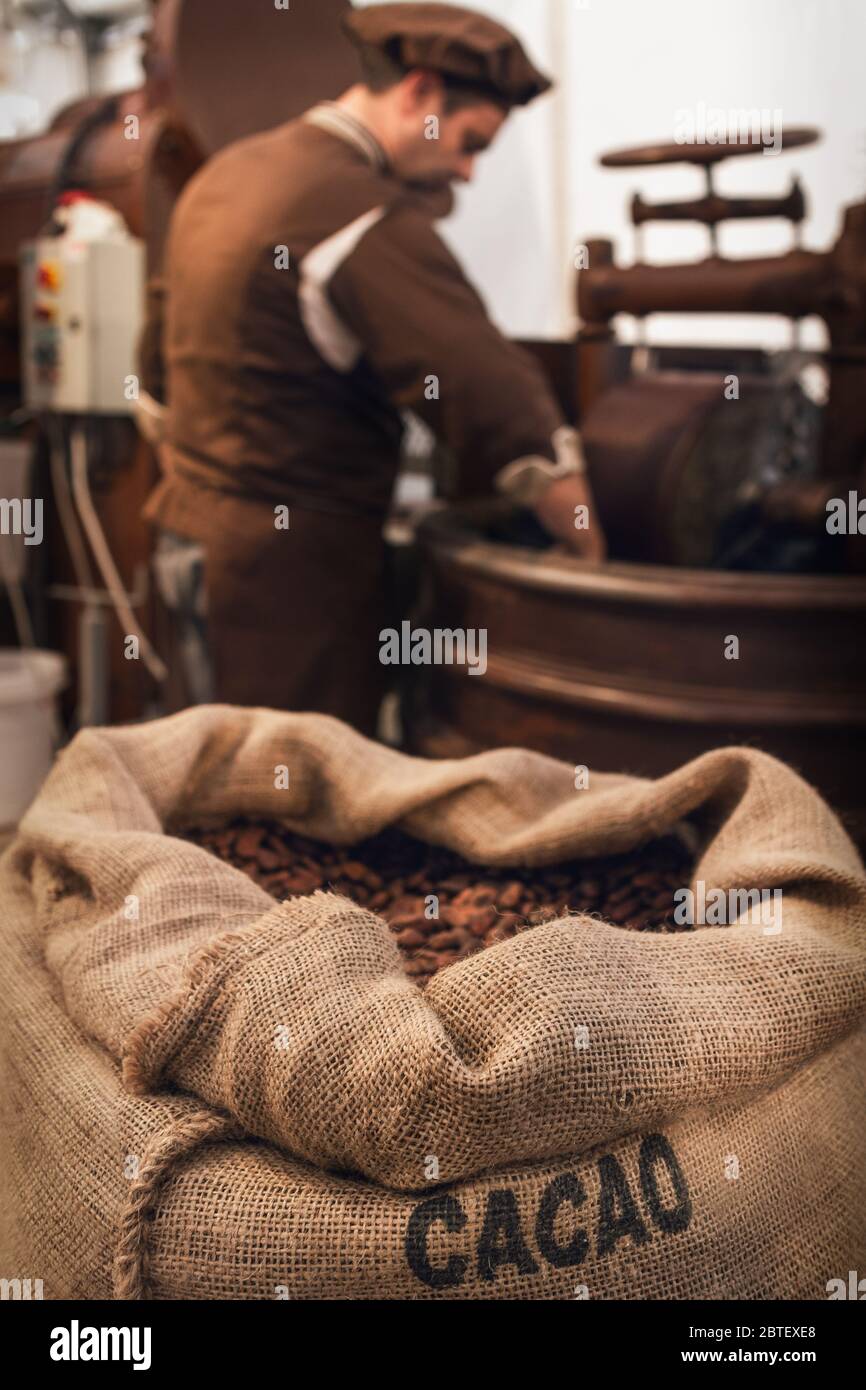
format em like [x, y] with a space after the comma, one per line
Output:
[211, 1096]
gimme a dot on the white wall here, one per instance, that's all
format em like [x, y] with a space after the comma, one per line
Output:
[41, 70]
[631, 66]
[39, 73]
[118, 67]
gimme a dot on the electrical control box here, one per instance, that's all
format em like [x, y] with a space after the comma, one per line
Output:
[82, 300]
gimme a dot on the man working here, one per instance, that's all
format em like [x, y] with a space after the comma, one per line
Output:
[310, 300]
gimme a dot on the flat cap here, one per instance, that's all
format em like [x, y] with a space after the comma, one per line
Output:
[461, 44]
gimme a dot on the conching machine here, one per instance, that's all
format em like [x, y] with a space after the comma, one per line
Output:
[732, 609]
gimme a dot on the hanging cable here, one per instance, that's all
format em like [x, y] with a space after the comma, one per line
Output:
[66, 510]
[104, 558]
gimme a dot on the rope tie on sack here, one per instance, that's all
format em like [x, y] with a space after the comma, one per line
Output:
[170, 1147]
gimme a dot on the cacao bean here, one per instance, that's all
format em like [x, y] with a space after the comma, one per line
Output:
[511, 895]
[394, 874]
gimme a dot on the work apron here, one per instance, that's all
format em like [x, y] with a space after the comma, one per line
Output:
[291, 617]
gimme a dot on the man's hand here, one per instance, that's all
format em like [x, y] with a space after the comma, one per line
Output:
[580, 531]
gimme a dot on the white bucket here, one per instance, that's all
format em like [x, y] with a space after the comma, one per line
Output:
[30, 682]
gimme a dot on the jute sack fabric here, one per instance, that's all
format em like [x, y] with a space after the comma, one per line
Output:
[630, 1115]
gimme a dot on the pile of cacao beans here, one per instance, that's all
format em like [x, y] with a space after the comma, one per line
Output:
[442, 908]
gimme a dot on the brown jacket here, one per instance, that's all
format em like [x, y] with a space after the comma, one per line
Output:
[309, 298]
